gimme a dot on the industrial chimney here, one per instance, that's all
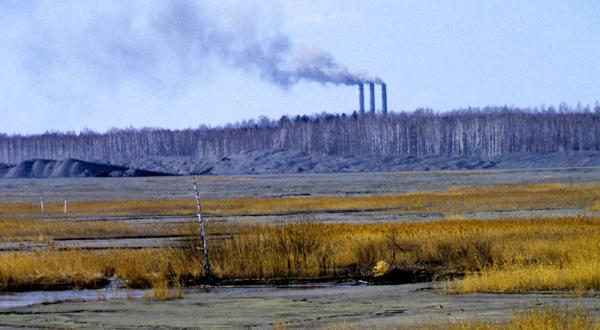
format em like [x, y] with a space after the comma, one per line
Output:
[372, 94]
[384, 108]
[361, 97]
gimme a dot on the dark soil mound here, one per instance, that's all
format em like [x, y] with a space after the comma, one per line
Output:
[69, 168]
[277, 162]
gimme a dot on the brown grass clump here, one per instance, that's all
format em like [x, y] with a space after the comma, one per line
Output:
[267, 251]
[164, 289]
[452, 201]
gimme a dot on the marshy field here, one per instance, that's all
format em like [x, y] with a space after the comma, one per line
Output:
[484, 249]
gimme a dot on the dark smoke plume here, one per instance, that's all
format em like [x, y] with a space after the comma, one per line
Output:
[169, 42]
[269, 53]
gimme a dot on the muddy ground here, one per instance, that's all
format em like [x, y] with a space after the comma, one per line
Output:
[278, 185]
[302, 307]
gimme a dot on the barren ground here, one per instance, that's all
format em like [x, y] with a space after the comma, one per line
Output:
[303, 307]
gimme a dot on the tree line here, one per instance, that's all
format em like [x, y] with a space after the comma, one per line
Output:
[487, 131]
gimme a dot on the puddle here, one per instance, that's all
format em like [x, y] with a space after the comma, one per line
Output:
[115, 292]
[21, 299]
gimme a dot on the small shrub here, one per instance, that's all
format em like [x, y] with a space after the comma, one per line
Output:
[381, 268]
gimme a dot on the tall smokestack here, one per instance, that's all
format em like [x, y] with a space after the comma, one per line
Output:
[372, 100]
[361, 97]
[384, 99]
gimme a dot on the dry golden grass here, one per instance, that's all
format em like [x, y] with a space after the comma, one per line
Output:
[309, 250]
[103, 208]
[548, 318]
[581, 276]
[46, 231]
[142, 268]
[452, 201]
[499, 256]
[595, 206]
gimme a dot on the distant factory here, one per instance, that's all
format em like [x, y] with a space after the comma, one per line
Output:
[361, 97]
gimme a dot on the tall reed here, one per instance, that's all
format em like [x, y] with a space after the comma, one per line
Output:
[507, 256]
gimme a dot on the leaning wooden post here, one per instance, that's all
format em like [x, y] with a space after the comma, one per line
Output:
[203, 236]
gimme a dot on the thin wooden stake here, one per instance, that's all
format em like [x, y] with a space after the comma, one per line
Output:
[42, 200]
[207, 271]
[65, 206]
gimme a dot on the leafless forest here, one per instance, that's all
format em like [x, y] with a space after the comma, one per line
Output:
[486, 131]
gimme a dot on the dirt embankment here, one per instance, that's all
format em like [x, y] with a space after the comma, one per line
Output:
[69, 168]
[278, 162]
[282, 162]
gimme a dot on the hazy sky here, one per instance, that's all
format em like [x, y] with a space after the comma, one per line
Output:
[69, 65]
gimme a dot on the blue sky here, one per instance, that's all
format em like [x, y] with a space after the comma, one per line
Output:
[70, 65]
